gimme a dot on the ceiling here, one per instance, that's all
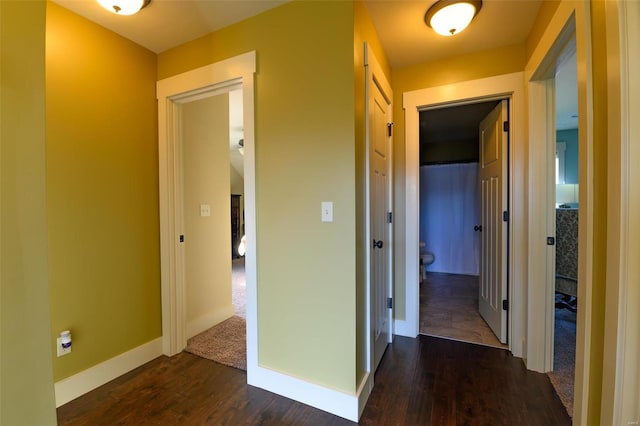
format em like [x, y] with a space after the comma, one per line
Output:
[164, 24]
[407, 40]
[399, 23]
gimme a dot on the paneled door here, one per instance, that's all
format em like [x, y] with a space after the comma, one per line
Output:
[492, 298]
[379, 138]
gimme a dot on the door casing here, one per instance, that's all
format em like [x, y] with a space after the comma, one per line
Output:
[197, 84]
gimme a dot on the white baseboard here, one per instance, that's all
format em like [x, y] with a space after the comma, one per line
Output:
[332, 401]
[404, 328]
[364, 391]
[77, 385]
[208, 320]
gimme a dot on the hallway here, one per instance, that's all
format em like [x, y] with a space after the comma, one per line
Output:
[422, 381]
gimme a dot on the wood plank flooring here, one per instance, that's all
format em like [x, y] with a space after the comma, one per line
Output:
[423, 381]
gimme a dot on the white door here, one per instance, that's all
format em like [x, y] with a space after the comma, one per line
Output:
[494, 216]
[379, 142]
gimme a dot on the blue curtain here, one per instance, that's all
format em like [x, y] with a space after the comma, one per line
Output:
[449, 209]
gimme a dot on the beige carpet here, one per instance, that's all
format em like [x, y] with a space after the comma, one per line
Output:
[225, 343]
[239, 287]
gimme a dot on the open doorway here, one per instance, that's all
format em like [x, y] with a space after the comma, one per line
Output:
[211, 240]
[238, 238]
[451, 223]
[567, 218]
[173, 93]
[213, 179]
[508, 86]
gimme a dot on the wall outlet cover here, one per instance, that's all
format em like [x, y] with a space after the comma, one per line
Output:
[62, 351]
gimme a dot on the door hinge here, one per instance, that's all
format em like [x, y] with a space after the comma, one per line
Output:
[505, 216]
[181, 238]
[551, 241]
[505, 305]
[389, 303]
[505, 126]
[390, 217]
[389, 129]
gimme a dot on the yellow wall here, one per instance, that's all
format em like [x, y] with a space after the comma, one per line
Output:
[26, 379]
[545, 13]
[600, 173]
[207, 245]
[455, 69]
[102, 191]
[304, 155]
[364, 31]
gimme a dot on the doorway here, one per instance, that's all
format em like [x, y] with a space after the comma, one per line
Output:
[237, 194]
[567, 214]
[472, 91]
[201, 83]
[204, 208]
[450, 223]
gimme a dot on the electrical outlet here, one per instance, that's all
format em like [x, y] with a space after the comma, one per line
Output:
[62, 351]
[326, 208]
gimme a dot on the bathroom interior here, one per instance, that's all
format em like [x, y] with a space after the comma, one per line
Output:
[449, 223]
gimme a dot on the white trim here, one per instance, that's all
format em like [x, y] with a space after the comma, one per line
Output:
[621, 381]
[348, 406]
[499, 87]
[85, 381]
[196, 84]
[405, 328]
[208, 320]
[363, 393]
[367, 221]
[540, 327]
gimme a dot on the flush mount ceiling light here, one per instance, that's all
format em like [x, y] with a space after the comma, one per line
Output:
[123, 7]
[449, 17]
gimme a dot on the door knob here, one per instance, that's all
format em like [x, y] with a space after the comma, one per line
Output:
[377, 244]
[477, 228]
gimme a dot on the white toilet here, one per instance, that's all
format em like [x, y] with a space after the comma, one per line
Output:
[426, 259]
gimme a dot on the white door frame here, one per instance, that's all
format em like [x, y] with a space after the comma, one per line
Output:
[571, 20]
[171, 92]
[508, 86]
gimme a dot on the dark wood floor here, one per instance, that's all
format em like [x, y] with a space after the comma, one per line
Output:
[423, 381]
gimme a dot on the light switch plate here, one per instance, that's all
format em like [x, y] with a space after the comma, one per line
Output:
[205, 210]
[327, 211]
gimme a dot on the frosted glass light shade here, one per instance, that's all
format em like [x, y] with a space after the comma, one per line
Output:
[449, 17]
[123, 7]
